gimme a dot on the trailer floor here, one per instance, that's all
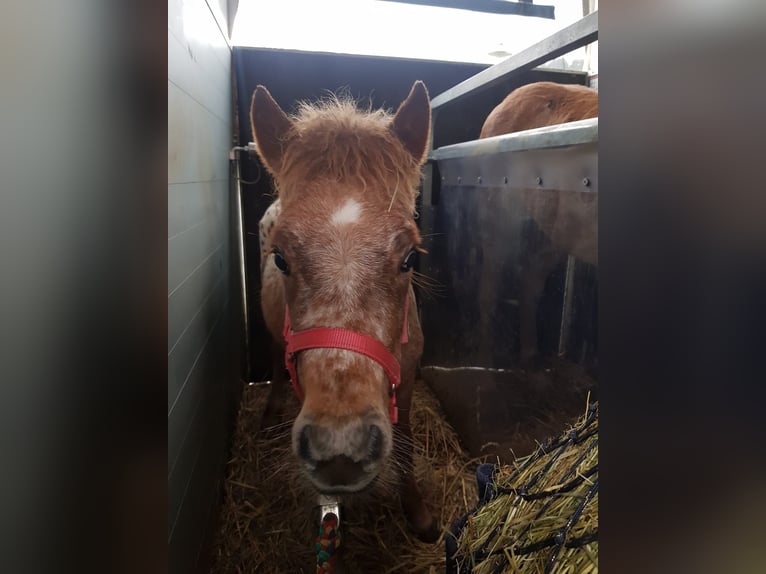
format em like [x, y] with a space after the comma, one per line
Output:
[268, 519]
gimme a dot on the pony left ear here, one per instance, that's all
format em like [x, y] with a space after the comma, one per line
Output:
[412, 122]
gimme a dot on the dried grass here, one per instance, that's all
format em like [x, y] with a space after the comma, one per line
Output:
[269, 519]
[540, 496]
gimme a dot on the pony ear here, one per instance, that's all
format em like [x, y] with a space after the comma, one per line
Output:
[270, 127]
[412, 122]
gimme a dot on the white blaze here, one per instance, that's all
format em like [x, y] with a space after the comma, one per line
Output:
[349, 212]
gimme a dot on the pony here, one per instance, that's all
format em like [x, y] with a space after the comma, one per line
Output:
[338, 248]
[569, 220]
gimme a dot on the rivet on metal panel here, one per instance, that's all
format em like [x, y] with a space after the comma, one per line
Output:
[539, 180]
[586, 182]
[460, 179]
[478, 179]
[505, 179]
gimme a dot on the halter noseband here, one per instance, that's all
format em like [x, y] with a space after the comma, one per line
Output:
[332, 338]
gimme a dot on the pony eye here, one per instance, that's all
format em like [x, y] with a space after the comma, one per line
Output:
[280, 262]
[409, 261]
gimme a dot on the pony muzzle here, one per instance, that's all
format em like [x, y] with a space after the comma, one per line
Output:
[342, 455]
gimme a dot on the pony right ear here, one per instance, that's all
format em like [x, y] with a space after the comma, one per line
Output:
[270, 126]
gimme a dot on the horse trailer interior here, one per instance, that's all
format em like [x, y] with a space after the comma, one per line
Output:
[495, 215]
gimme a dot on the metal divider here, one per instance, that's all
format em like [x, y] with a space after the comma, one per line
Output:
[471, 217]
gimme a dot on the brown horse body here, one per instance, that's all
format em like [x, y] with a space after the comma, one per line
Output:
[538, 105]
[568, 219]
[337, 248]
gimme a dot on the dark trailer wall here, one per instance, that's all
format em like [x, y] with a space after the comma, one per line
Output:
[382, 82]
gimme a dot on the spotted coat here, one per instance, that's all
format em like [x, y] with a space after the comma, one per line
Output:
[265, 226]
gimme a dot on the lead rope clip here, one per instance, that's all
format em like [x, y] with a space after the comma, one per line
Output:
[328, 540]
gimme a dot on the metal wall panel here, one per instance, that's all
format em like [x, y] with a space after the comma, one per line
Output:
[192, 130]
[203, 321]
[188, 205]
[197, 55]
[185, 249]
[483, 213]
[208, 295]
[477, 228]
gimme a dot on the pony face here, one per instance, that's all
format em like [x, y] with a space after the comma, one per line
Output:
[341, 254]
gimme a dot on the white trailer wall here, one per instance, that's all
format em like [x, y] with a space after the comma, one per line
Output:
[203, 308]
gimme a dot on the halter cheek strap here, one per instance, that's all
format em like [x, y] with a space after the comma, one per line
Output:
[332, 338]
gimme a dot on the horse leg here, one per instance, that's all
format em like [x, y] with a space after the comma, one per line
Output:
[536, 268]
[425, 526]
[275, 404]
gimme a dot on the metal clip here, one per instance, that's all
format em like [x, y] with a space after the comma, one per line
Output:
[328, 504]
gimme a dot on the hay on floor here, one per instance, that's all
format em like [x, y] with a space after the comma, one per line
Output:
[269, 519]
[543, 517]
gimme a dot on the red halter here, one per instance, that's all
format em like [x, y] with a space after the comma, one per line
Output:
[331, 338]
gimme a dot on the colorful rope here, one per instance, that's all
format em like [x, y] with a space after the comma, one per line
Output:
[327, 544]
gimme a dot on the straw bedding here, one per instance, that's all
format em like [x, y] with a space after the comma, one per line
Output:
[269, 520]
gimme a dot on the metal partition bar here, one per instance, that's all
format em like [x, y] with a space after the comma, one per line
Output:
[581, 33]
[523, 8]
[560, 135]
[562, 157]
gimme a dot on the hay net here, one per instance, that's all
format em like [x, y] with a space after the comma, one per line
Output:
[539, 515]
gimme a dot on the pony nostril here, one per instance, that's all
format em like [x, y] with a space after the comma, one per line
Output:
[375, 444]
[304, 450]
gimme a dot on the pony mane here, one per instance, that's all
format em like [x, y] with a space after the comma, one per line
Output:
[334, 140]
